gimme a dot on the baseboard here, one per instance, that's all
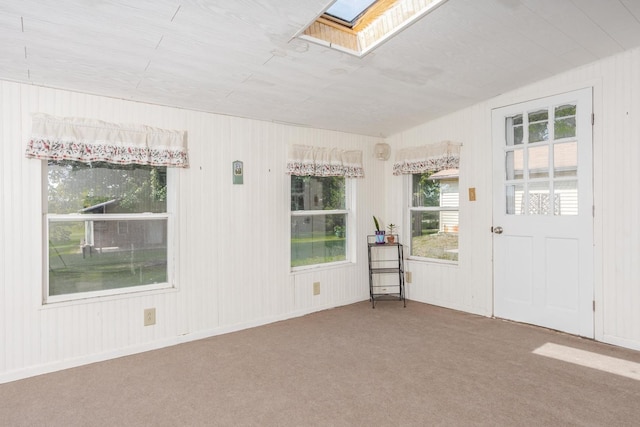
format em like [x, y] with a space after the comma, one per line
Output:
[155, 345]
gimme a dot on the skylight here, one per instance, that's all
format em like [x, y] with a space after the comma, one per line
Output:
[348, 11]
[359, 26]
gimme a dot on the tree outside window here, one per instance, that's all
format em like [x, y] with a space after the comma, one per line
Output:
[318, 220]
[107, 228]
[434, 215]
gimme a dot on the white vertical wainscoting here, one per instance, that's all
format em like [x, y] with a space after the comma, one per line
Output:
[466, 285]
[618, 203]
[616, 148]
[232, 241]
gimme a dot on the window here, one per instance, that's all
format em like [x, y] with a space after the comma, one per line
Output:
[348, 12]
[319, 220]
[359, 26]
[434, 215]
[107, 229]
[541, 159]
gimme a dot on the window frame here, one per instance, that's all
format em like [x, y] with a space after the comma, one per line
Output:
[172, 177]
[410, 209]
[348, 211]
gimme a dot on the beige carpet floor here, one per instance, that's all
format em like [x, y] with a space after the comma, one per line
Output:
[350, 366]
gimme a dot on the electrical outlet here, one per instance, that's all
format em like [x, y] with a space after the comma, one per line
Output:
[149, 316]
[407, 276]
[316, 288]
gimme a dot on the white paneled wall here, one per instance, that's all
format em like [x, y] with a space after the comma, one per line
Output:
[616, 148]
[467, 285]
[232, 240]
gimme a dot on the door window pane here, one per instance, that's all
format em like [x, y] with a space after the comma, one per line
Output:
[514, 194]
[565, 123]
[546, 173]
[514, 130]
[565, 159]
[538, 129]
[514, 164]
[538, 202]
[566, 197]
[539, 162]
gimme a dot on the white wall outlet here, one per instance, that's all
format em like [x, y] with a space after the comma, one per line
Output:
[316, 288]
[149, 316]
[407, 276]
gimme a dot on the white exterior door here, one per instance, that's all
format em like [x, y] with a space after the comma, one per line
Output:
[543, 204]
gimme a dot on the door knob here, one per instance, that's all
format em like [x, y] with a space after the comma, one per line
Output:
[497, 230]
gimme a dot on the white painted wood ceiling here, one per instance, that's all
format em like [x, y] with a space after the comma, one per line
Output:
[240, 57]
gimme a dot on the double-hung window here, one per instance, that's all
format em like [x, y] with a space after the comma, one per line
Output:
[107, 229]
[321, 204]
[319, 220]
[434, 215]
[109, 194]
[433, 199]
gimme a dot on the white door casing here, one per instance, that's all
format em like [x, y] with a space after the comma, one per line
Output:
[543, 212]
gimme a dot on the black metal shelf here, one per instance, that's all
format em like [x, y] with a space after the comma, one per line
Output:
[391, 263]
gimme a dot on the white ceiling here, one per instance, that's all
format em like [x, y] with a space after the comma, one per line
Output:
[240, 57]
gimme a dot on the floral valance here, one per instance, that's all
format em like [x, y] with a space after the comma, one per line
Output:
[427, 158]
[318, 161]
[86, 140]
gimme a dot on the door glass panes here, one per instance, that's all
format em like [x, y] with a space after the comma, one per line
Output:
[566, 197]
[514, 130]
[565, 159]
[539, 162]
[538, 129]
[565, 123]
[514, 194]
[514, 161]
[538, 202]
[542, 161]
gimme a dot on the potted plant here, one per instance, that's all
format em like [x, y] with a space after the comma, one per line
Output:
[391, 238]
[338, 230]
[379, 232]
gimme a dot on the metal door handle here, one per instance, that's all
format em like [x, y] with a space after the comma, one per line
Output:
[497, 230]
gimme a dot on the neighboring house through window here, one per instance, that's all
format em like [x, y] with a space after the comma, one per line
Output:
[433, 199]
[109, 193]
[434, 215]
[107, 228]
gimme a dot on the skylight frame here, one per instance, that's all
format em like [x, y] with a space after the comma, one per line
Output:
[344, 12]
[382, 20]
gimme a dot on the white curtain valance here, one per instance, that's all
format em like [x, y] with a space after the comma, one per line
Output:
[427, 158]
[86, 140]
[317, 161]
